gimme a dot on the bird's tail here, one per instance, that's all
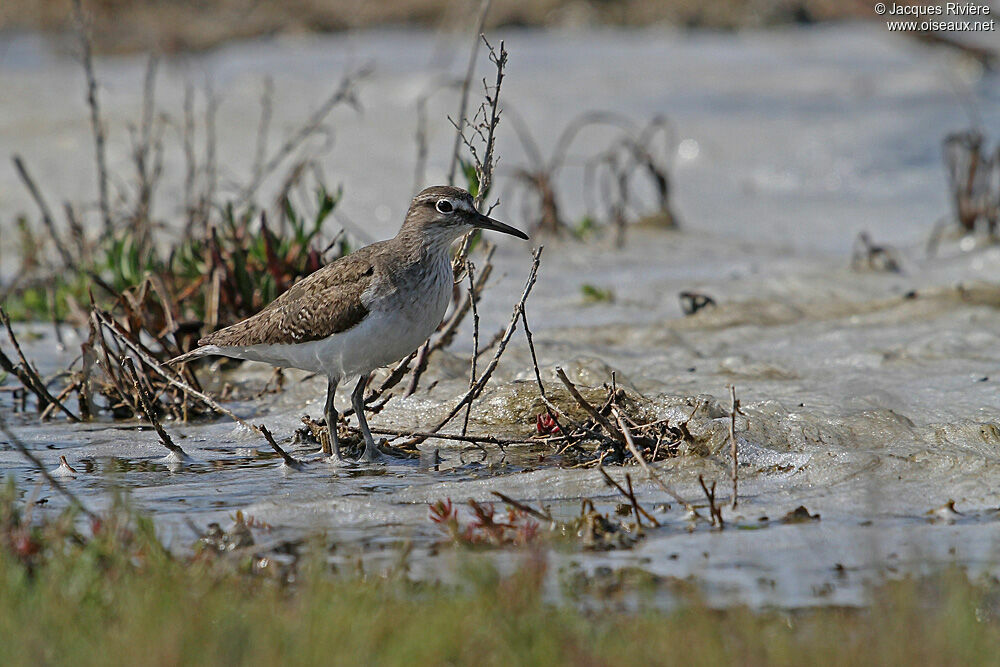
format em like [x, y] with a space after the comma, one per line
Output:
[193, 354]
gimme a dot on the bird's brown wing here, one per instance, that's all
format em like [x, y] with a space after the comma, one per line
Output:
[324, 303]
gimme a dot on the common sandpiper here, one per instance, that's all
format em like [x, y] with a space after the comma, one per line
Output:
[364, 310]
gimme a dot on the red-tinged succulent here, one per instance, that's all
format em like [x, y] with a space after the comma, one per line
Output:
[545, 424]
[486, 528]
[442, 511]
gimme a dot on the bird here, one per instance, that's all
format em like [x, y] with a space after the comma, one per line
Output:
[364, 310]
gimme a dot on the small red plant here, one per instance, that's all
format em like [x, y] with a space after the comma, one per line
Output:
[515, 528]
[545, 424]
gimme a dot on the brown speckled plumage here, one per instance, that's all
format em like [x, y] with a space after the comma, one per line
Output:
[322, 304]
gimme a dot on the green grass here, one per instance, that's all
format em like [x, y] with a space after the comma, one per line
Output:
[119, 597]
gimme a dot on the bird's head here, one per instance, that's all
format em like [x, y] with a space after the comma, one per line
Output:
[442, 213]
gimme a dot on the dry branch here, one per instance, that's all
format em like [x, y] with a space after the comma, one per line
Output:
[463, 104]
[473, 439]
[147, 407]
[591, 410]
[170, 376]
[475, 341]
[96, 124]
[289, 460]
[714, 510]
[484, 131]
[527, 509]
[27, 374]
[550, 408]
[734, 408]
[43, 208]
[344, 93]
[630, 496]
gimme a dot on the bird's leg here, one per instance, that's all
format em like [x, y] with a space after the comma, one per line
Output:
[331, 418]
[372, 452]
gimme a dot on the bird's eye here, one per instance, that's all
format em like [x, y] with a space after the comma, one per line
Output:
[444, 206]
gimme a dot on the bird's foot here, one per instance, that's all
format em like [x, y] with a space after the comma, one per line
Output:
[382, 452]
[373, 453]
[339, 461]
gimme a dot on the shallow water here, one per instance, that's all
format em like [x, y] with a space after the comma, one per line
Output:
[870, 398]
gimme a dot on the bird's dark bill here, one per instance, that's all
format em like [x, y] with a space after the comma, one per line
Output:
[484, 222]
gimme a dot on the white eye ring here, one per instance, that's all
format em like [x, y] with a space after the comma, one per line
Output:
[444, 206]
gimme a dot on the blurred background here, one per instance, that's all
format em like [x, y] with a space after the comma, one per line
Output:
[123, 26]
[806, 122]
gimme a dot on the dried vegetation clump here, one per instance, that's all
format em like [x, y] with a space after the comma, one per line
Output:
[972, 166]
[521, 525]
[626, 181]
[973, 169]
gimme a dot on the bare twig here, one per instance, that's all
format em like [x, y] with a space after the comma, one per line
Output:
[27, 375]
[734, 408]
[54, 315]
[67, 390]
[147, 156]
[171, 377]
[147, 407]
[636, 509]
[418, 369]
[470, 438]
[420, 164]
[263, 128]
[591, 410]
[289, 460]
[714, 510]
[463, 104]
[549, 407]
[190, 161]
[344, 93]
[43, 207]
[527, 509]
[176, 380]
[211, 143]
[96, 124]
[475, 342]
[630, 497]
[486, 132]
[76, 233]
[109, 369]
[484, 168]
